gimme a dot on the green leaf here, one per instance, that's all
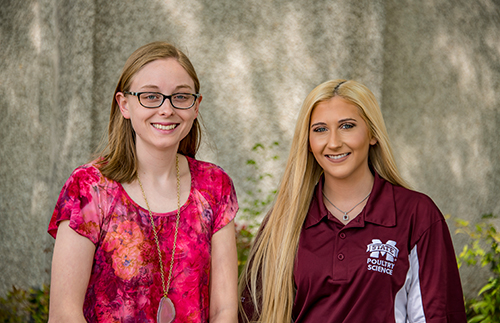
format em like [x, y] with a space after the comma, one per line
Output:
[477, 318]
[257, 146]
[488, 216]
[485, 288]
[462, 223]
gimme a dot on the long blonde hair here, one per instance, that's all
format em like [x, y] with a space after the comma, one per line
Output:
[268, 274]
[118, 160]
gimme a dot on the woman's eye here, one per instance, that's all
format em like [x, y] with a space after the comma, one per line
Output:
[180, 97]
[151, 96]
[319, 129]
[346, 126]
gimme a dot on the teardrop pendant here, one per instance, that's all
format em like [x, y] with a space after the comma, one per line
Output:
[166, 311]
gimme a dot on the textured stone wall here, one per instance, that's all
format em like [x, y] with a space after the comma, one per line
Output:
[433, 65]
[441, 103]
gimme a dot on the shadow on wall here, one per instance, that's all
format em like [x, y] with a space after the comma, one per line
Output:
[444, 111]
[441, 103]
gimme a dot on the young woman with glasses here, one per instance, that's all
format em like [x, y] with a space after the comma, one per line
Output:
[346, 240]
[145, 232]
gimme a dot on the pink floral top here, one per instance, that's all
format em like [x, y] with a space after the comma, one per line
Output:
[125, 283]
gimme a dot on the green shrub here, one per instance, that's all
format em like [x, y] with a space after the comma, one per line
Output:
[20, 305]
[483, 248]
[257, 202]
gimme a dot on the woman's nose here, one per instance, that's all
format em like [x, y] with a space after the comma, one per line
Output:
[166, 108]
[334, 141]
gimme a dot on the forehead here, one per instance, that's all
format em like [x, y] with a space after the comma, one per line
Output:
[335, 108]
[163, 74]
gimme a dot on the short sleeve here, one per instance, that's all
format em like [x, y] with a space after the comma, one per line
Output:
[438, 287]
[227, 205]
[78, 202]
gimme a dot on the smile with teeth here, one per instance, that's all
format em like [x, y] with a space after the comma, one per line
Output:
[162, 127]
[337, 156]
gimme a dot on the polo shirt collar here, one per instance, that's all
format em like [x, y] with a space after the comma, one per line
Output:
[380, 208]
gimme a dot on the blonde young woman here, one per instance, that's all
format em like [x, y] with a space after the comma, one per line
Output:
[346, 240]
[145, 232]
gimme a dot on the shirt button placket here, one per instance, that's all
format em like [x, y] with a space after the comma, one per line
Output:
[341, 255]
[341, 265]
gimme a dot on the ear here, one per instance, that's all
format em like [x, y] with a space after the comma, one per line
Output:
[373, 141]
[123, 104]
[197, 106]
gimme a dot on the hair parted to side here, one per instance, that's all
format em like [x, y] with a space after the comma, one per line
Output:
[272, 255]
[118, 160]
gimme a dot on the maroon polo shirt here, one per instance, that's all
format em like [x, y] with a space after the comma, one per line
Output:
[393, 263]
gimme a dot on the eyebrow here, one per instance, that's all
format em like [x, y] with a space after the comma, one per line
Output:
[347, 119]
[177, 88]
[340, 121]
[318, 124]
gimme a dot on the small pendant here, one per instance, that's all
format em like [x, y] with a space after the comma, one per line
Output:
[345, 217]
[166, 311]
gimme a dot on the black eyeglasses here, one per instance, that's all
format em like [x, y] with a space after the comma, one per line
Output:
[153, 100]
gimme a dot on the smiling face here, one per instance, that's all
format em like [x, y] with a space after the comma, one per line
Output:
[163, 127]
[339, 140]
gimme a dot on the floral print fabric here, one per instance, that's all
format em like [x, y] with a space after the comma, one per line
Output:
[125, 283]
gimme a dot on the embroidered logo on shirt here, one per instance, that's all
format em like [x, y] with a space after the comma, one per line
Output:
[377, 251]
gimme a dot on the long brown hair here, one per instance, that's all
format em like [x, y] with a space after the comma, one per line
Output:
[118, 159]
[272, 256]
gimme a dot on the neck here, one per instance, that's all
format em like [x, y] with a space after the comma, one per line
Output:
[350, 190]
[156, 164]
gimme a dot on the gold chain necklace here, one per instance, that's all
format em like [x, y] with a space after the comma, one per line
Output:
[166, 309]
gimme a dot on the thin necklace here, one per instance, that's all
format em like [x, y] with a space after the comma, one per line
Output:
[345, 217]
[166, 309]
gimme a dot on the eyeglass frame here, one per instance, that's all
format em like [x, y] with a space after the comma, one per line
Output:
[169, 97]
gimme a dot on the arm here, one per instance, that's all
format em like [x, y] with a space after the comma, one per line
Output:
[71, 267]
[436, 292]
[224, 276]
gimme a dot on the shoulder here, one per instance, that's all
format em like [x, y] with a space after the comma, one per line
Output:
[205, 171]
[213, 183]
[88, 178]
[414, 201]
[401, 204]
[88, 171]
[82, 200]
[417, 210]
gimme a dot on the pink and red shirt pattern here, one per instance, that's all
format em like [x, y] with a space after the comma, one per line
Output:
[125, 283]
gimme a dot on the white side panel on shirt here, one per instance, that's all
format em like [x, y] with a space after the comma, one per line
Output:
[408, 307]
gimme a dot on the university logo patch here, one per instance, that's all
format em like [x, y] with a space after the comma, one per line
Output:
[378, 251]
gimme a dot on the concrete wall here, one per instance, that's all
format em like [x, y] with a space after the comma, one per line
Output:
[434, 66]
[441, 102]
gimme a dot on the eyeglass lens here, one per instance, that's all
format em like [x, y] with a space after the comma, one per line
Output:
[178, 100]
